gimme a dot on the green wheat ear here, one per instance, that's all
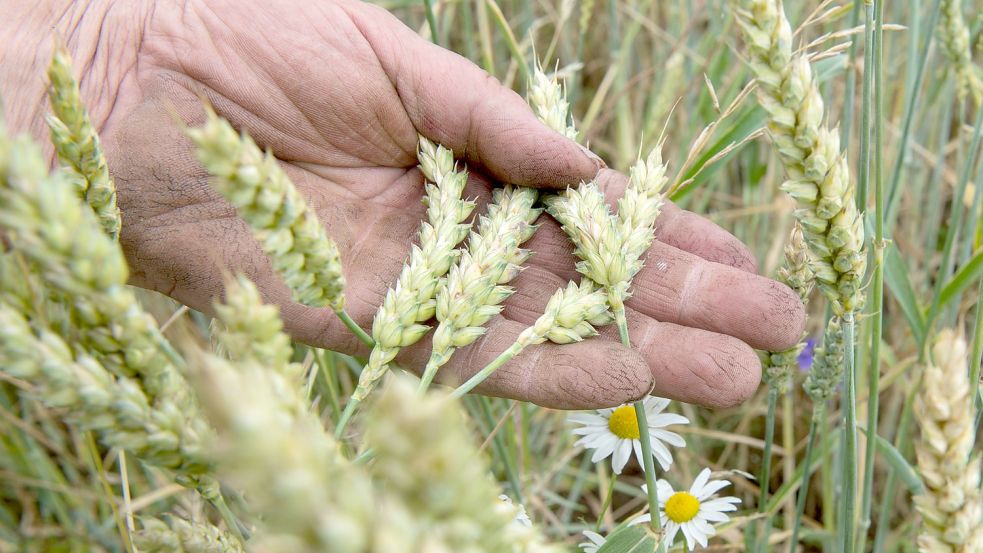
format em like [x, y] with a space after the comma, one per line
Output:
[77, 144]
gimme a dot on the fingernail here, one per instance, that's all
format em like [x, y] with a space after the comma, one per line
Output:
[593, 157]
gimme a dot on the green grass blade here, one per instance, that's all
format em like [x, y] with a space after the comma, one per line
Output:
[900, 465]
[964, 277]
[896, 278]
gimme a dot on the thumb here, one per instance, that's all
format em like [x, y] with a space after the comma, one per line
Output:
[452, 101]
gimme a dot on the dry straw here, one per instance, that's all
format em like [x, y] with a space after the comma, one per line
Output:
[77, 144]
[817, 173]
[177, 535]
[952, 505]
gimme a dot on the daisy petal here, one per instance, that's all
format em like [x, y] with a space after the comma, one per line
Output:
[655, 405]
[688, 534]
[664, 490]
[666, 419]
[711, 488]
[589, 419]
[701, 480]
[621, 454]
[670, 438]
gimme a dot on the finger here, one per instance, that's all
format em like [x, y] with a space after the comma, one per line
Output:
[679, 287]
[587, 375]
[686, 230]
[452, 101]
[688, 364]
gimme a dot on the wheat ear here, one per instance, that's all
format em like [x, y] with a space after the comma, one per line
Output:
[445, 486]
[954, 34]
[570, 316]
[115, 408]
[252, 331]
[818, 176]
[287, 228]
[411, 301]
[75, 259]
[952, 505]
[475, 287]
[177, 535]
[77, 144]
[779, 366]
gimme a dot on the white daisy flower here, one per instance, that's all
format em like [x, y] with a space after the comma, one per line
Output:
[521, 517]
[595, 542]
[694, 512]
[614, 432]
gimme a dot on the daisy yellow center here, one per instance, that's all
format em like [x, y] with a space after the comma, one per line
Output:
[623, 423]
[682, 507]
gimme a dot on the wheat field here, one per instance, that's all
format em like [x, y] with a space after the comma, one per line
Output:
[840, 141]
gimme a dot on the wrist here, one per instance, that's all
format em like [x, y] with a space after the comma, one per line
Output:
[102, 39]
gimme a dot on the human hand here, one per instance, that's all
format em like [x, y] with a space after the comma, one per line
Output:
[339, 91]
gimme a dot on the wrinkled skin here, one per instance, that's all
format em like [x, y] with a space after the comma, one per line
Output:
[339, 90]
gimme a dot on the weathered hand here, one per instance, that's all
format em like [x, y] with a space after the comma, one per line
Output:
[339, 90]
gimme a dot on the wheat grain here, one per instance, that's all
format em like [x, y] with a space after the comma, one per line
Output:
[952, 505]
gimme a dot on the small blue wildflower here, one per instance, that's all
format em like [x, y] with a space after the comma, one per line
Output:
[806, 357]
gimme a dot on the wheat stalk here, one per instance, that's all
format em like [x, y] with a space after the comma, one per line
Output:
[77, 144]
[952, 505]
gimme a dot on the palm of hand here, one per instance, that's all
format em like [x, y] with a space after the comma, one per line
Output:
[339, 93]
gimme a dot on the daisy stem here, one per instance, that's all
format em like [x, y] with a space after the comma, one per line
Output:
[762, 542]
[847, 528]
[484, 373]
[648, 463]
[818, 412]
[356, 330]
